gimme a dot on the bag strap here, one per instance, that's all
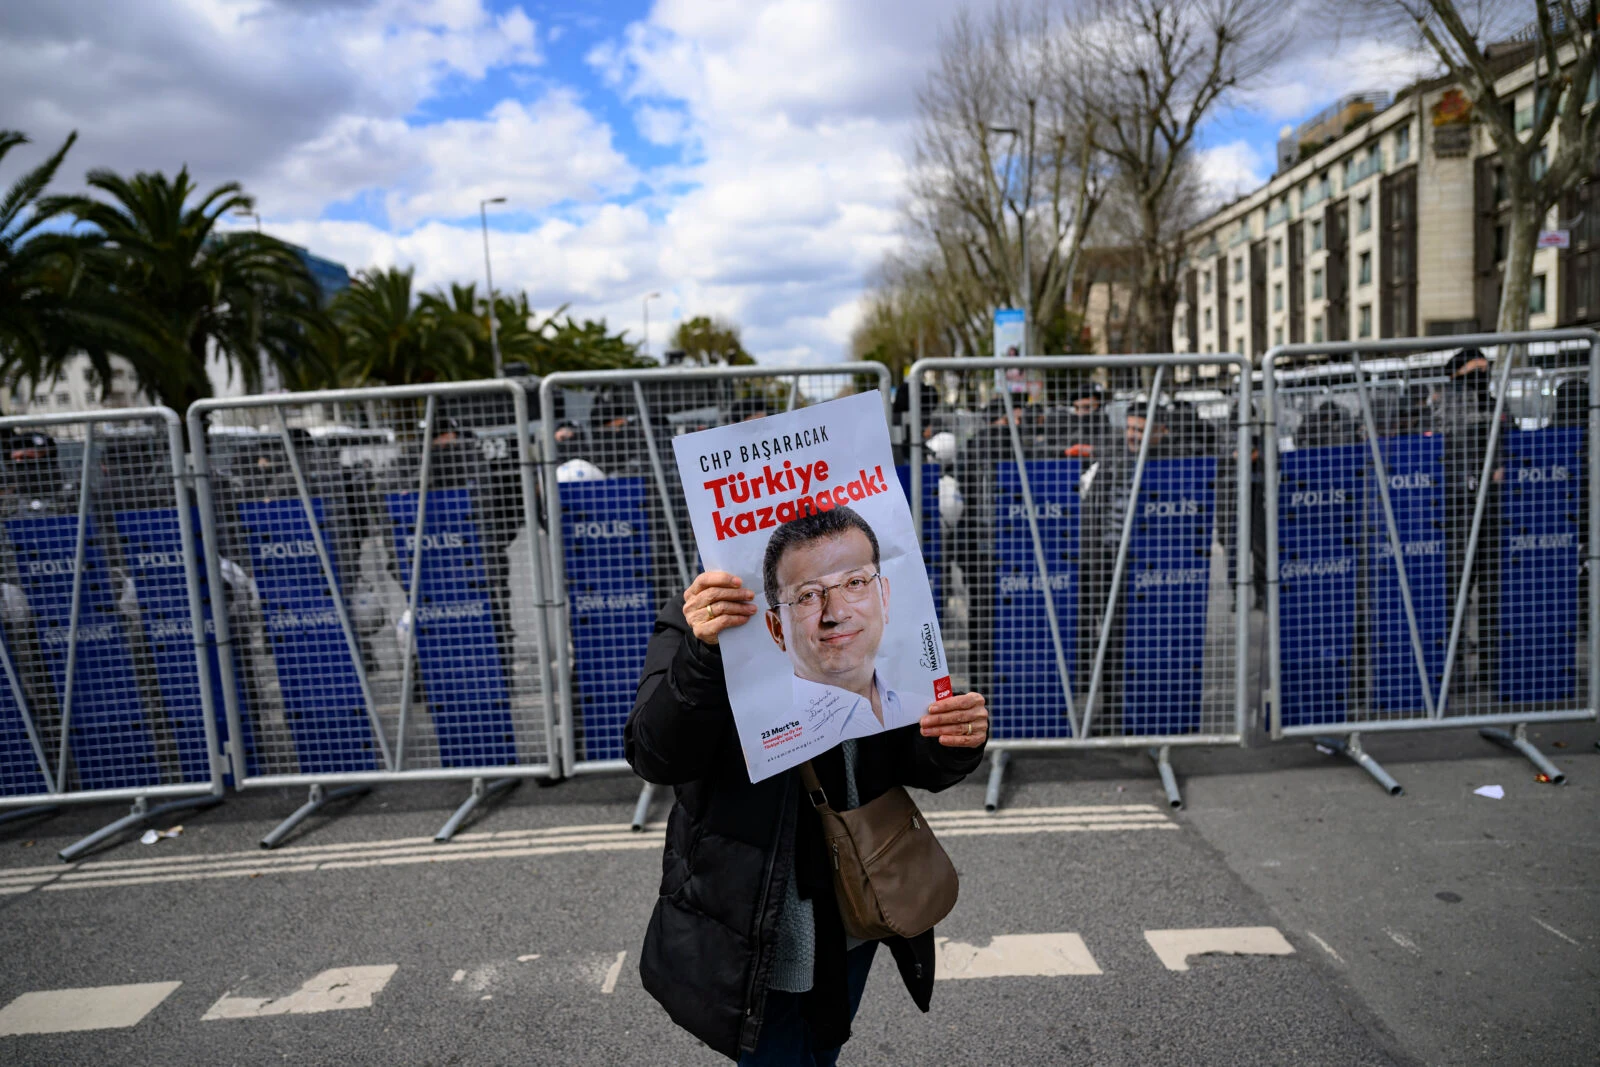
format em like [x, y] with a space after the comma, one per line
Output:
[819, 799]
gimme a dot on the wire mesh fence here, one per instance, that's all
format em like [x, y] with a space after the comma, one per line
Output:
[1090, 583]
[1429, 534]
[380, 554]
[104, 690]
[624, 545]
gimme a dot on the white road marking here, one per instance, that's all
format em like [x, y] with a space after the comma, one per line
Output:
[1403, 941]
[61, 1011]
[521, 844]
[1558, 933]
[339, 989]
[1015, 956]
[1174, 947]
[613, 973]
[525, 959]
[1325, 947]
[458, 976]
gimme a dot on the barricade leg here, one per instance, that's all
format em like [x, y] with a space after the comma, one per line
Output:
[641, 810]
[43, 811]
[481, 792]
[1169, 781]
[318, 799]
[1517, 740]
[1350, 748]
[997, 776]
[141, 813]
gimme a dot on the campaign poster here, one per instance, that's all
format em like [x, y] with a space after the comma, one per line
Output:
[805, 508]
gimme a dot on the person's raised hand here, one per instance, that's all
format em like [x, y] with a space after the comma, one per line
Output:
[958, 721]
[717, 601]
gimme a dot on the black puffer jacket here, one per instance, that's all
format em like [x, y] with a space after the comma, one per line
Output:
[711, 941]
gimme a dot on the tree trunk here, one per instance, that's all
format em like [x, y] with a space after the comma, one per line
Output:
[1522, 234]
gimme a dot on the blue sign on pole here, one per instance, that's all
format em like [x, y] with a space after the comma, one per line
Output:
[1540, 524]
[932, 550]
[1027, 698]
[605, 532]
[321, 691]
[1165, 591]
[1416, 491]
[112, 744]
[1319, 520]
[458, 648]
[152, 555]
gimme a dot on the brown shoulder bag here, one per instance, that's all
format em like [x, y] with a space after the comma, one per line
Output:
[890, 874]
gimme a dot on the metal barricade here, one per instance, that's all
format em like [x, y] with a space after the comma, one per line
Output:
[385, 620]
[1430, 533]
[106, 688]
[1137, 530]
[622, 544]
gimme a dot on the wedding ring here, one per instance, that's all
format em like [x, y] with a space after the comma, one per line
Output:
[711, 611]
[969, 728]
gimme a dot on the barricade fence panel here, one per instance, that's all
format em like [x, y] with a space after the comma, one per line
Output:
[104, 691]
[1089, 578]
[623, 544]
[1429, 531]
[380, 551]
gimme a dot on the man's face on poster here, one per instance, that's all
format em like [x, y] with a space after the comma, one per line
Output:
[832, 610]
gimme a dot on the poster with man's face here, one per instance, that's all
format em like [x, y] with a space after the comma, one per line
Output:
[806, 509]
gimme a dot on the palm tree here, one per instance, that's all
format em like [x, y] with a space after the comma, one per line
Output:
[44, 314]
[391, 341]
[159, 260]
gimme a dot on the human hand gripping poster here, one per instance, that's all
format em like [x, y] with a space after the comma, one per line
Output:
[805, 508]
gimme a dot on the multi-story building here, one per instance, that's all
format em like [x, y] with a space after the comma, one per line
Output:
[1394, 229]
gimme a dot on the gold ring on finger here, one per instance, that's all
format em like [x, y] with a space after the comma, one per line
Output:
[969, 728]
[711, 611]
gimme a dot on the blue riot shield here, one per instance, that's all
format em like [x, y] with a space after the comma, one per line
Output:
[1165, 591]
[605, 532]
[321, 692]
[458, 648]
[112, 743]
[1320, 502]
[1416, 490]
[1027, 696]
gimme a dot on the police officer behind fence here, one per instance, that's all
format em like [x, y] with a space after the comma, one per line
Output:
[1106, 501]
[1464, 415]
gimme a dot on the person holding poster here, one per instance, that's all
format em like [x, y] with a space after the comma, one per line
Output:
[797, 525]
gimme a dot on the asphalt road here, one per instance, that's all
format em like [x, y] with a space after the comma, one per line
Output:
[1437, 927]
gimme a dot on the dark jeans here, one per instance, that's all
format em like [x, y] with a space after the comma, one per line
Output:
[785, 1040]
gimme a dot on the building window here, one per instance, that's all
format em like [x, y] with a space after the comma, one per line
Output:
[1277, 296]
[1536, 295]
[1364, 214]
[63, 400]
[1402, 144]
[1277, 252]
[1208, 318]
[1347, 173]
[1364, 276]
[1316, 235]
[1364, 327]
[1238, 269]
[1316, 284]
[1277, 335]
[1205, 283]
[1316, 329]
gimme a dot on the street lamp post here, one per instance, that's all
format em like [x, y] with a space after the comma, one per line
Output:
[488, 273]
[1022, 226]
[648, 297]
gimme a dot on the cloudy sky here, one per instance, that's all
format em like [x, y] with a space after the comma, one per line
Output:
[741, 157]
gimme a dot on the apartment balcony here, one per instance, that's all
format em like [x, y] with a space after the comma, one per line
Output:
[1315, 194]
[1373, 164]
[1279, 214]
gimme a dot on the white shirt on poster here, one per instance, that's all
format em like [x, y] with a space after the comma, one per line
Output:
[839, 714]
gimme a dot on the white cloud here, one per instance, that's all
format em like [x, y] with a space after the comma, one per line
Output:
[1307, 81]
[1233, 169]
